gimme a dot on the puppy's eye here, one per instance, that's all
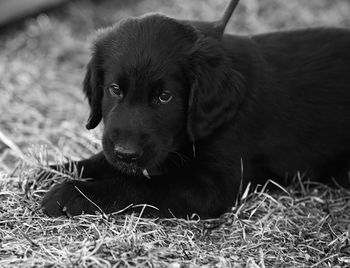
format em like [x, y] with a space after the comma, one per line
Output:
[165, 96]
[115, 91]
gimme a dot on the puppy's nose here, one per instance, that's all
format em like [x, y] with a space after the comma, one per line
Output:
[126, 153]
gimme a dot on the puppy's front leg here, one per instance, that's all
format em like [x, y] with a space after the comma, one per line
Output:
[171, 197]
[95, 167]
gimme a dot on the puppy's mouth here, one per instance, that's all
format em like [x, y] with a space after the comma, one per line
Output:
[128, 167]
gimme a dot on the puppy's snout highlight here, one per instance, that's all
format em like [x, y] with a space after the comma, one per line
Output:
[126, 153]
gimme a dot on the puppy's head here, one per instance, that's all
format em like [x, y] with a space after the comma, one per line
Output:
[155, 82]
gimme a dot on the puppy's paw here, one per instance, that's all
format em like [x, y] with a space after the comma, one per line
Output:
[69, 198]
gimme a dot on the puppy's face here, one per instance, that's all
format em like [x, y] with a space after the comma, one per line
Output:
[153, 80]
[144, 81]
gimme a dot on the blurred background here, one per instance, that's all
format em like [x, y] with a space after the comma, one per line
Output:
[44, 47]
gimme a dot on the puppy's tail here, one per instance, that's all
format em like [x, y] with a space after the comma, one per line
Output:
[220, 25]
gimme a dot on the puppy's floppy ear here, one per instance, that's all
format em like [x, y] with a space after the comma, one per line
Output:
[92, 87]
[216, 91]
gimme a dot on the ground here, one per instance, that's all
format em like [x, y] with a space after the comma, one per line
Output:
[42, 117]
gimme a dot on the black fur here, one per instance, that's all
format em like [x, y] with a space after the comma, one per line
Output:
[277, 103]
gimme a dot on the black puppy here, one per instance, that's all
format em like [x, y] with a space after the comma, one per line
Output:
[185, 107]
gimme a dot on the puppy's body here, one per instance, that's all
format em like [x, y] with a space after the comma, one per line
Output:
[295, 115]
[252, 109]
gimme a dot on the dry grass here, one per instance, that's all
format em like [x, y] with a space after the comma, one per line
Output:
[42, 114]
